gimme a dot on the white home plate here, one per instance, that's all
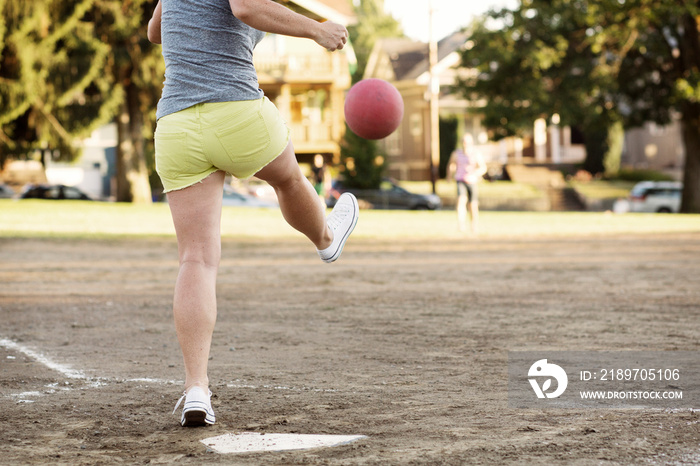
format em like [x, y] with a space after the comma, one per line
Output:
[248, 442]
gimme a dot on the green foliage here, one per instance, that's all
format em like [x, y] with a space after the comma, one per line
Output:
[542, 62]
[372, 23]
[136, 69]
[616, 140]
[67, 68]
[594, 64]
[52, 82]
[641, 175]
[362, 166]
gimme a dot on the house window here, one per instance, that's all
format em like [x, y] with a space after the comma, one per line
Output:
[416, 124]
[656, 130]
[392, 143]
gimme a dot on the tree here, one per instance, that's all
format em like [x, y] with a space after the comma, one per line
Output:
[540, 63]
[136, 73]
[372, 23]
[69, 67]
[52, 86]
[448, 142]
[362, 165]
[660, 76]
[595, 64]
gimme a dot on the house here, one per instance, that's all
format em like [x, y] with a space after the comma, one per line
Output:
[655, 147]
[308, 83]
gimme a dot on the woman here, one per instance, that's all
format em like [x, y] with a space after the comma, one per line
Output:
[468, 168]
[212, 119]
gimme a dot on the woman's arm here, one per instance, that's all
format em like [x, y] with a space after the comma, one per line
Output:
[268, 16]
[481, 167]
[154, 25]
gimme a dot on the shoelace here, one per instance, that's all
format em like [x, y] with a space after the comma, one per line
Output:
[184, 395]
[339, 215]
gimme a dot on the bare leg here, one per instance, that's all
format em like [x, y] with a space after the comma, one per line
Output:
[473, 208]
[462, 212]
[299, 203]
[196, 213]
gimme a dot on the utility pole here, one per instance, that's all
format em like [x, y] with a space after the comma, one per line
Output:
[434, 90]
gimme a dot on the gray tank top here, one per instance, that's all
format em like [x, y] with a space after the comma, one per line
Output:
[208, 55]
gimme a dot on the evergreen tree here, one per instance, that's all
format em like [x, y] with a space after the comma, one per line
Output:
[136, 72]
[52, 84]
[67, 68]
[362, 166]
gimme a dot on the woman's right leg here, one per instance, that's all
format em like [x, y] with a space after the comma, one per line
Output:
[462, 212]
[299, 203]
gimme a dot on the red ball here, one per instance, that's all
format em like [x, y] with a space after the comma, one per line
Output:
[373, 108]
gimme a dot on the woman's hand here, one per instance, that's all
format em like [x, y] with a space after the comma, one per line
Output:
[269, 16]
[332, 36]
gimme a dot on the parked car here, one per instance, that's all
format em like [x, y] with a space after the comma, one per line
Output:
[54, 192]
[6, 192]
[389, 196]
[238, 199]
[259, 188]
[656, 196]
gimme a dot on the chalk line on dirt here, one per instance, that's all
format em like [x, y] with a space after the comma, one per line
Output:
[95, 382]
[66, 371]
[69, 372]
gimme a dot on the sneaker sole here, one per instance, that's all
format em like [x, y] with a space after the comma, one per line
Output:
[195, 417]
[356, 216]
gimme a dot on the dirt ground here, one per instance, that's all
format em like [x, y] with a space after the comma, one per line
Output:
[405, 342]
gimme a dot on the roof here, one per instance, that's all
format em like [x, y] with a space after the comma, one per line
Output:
[343, 7]
[340, 11]
[446, 46]
[409, 59]
[404, 55]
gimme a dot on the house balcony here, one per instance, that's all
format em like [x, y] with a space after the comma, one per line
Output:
[313, 68]
[313, 138]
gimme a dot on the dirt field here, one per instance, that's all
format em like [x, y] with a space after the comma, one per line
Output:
[405, 342]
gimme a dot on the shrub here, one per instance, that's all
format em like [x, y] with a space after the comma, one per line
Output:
[642, 175]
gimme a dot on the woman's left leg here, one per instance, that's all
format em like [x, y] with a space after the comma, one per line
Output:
[196, 212]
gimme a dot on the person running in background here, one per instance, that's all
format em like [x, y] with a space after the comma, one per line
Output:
[468, 167]
[213, 119]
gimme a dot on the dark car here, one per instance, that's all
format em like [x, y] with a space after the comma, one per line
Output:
[389, 196]
[54, 192]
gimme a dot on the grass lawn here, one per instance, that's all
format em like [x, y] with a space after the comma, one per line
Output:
[97, 219]
[492, 189]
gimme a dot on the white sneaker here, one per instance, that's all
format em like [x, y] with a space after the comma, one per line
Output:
[341, 221]
[197, 409]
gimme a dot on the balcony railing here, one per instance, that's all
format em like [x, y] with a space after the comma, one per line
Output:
[296, 67]
[311, 132]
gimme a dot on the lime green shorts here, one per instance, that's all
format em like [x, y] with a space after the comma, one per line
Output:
[236, 137]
